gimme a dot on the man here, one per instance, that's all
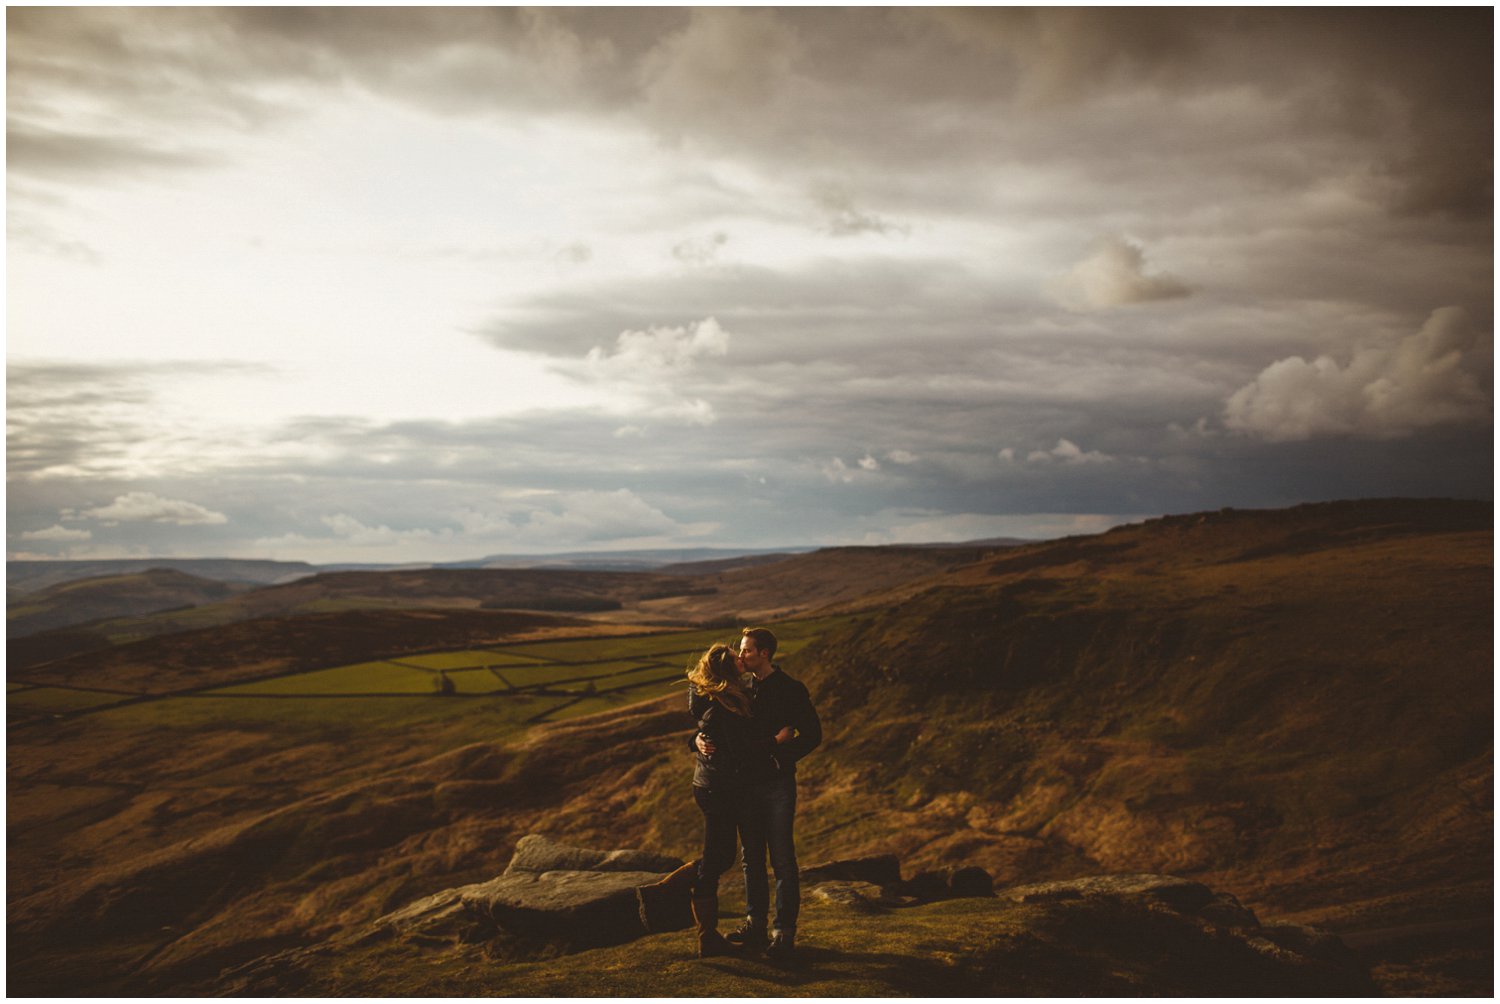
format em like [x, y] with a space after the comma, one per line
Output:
[782, 710]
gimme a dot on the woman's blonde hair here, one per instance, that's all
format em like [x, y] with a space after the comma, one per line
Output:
[717, 676]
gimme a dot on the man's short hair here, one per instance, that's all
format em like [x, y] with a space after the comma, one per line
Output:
[764, 640]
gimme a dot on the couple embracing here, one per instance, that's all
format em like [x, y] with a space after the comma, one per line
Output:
[754, 723]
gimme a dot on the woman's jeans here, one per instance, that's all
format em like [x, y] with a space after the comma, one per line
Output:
[766, 825]
[721, 814]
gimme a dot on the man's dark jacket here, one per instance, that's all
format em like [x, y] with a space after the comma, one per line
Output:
[778, 701]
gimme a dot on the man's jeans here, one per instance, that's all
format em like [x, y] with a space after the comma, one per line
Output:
[767, 825]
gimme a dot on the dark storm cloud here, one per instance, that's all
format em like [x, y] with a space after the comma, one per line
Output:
[1263, 224]
[893, 87]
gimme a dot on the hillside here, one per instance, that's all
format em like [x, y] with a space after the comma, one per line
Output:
[30, 576]
[105, 597]
[1292, 706]
[785, 586]
[833, 577]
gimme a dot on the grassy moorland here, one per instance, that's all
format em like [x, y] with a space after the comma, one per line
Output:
[1294, 707]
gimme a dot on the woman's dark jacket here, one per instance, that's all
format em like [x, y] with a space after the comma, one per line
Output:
[741, 752]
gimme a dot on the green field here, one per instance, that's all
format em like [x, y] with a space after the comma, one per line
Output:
[497, 685]
[361, 678]
[468, 659]
[593, 649]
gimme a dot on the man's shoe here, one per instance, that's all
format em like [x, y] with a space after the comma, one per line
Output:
[781, 948]
[750, 936]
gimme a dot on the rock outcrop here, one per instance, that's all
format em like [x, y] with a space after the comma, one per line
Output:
[1137, 934]
[875, 882]
[575, 896]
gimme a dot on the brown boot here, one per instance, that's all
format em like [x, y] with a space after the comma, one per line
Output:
[663, 905]
[706, 922]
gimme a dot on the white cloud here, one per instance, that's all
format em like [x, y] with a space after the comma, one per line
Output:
[524, 522]
[349, 536]
[901, 457]
[1425, 379]
[661, 350]
[1008, 454]
[1067, 452]
[639, 373]
[837, 471]
[352, 531]
[593, 516]
[57, 532]
[146, 507]
[1113, 275]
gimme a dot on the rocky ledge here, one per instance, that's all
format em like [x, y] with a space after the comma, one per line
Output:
[1116, 934]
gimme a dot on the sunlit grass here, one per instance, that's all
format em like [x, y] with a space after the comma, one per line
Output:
[467, 659]
[656, 671]
[361, 678]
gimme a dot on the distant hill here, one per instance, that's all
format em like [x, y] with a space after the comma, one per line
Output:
[128, 595]
[533, 590]
[842, 577]
[618, 561]
[762, 587]
[30, 576]
[715, 566]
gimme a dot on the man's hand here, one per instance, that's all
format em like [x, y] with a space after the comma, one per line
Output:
[784, 735]
[704, 746]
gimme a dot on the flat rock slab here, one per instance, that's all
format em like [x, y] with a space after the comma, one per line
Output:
[535, 853]
[561, 901]
[585, 907]
[863, 897]
[550, 890]
[1182, 895]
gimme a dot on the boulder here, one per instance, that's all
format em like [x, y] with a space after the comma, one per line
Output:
[589, 907]
[1181, 895]
[863, 897]
[882, 869]
[1226, 911]
[549, 891]
[950, 883]
[971, 881]
[535, 853]
[927, 887]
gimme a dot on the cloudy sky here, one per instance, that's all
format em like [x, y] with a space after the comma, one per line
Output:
[419, 284]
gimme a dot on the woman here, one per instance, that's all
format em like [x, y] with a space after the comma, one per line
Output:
[721, 704]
